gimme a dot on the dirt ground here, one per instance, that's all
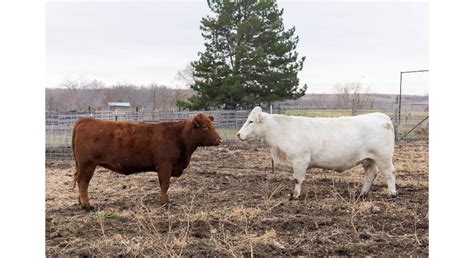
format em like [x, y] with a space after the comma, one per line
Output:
[230, 203]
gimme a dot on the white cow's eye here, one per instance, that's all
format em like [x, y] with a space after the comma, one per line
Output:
[250, 122]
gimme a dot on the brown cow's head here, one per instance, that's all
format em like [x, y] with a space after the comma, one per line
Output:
[204, 132]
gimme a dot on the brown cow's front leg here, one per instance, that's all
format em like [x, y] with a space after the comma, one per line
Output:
[164, 175]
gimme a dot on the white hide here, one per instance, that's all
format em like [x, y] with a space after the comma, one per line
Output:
[332, 143]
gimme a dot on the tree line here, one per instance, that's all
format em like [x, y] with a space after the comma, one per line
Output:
[94, 95]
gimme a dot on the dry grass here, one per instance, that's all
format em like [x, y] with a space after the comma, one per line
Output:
[229, 203]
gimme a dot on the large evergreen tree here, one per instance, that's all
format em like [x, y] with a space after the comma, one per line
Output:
[249, 59]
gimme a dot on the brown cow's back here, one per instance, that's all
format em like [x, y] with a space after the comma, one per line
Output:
[126, 147]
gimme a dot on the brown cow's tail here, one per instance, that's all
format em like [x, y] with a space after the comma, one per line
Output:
[74, 179]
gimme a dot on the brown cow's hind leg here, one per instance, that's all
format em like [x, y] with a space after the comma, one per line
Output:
[83, 178]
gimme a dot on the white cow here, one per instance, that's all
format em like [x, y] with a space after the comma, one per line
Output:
[331, 143]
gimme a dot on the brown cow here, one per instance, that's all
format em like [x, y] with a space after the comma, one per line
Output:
[128, 148]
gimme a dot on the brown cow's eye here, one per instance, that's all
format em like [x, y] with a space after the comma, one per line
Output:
[205, 127]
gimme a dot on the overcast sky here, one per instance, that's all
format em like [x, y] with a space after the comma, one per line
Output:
[148, 42]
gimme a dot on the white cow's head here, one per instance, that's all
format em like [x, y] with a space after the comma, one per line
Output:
[254, 127]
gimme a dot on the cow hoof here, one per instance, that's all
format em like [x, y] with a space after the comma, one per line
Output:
[392, 196]
[363, 197]
[291, 197]
[88, 207]
[165, 205]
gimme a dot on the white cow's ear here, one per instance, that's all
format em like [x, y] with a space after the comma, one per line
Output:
[257, 109]
[259, 118]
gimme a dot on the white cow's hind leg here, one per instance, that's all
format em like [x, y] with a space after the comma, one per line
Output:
[299, 171]
[370, 174]
[388, 169]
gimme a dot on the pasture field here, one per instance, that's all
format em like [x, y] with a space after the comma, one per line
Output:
[230, 203]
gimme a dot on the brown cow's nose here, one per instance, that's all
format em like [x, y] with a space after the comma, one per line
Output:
[220, 140]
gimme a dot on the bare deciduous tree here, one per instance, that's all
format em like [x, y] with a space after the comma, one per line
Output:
[80, 95]
[352, 96]
[72, 88]
[185, 76]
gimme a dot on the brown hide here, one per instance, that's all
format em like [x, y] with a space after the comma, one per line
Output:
[127, 148]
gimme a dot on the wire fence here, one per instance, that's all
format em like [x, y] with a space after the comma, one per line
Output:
[413, 124]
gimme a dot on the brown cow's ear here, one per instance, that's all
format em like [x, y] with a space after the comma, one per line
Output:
[211, 117]
[196, 121]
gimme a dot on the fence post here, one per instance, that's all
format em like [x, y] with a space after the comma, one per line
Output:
[400, 99]
[273, 162]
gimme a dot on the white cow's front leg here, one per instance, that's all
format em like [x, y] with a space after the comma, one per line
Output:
[299, 171]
